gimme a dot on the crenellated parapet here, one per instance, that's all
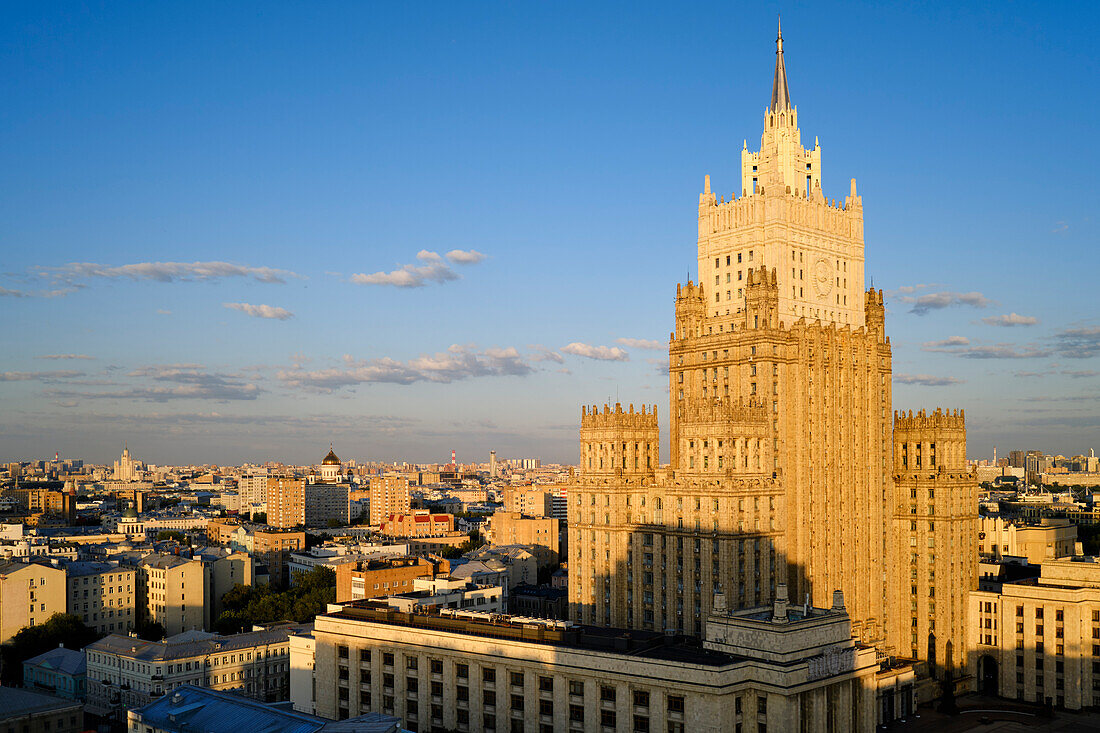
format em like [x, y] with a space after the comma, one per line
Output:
[929, 441]
[619, 442]
[595, 418]
[935, 420]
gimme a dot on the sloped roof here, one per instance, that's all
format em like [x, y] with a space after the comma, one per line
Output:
[66, 661]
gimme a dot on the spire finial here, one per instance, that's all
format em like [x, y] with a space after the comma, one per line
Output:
[781, 97]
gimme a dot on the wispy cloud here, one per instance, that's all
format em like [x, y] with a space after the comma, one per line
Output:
[1078, 343]
[58, 357]
[600, 353]
[39, 376]
[164, 272]
[457, 363]
[924, 304]
[164, 382]
[641, 343]
[163, 312]
[1059, 227]
[945, 343]
[9, 293]
[1081, 373]
[1010, 319]
[963, 347]
[261, 311]
[433, 268]
[542, 353]
[465, 257]
[909, 289]
[926, 380]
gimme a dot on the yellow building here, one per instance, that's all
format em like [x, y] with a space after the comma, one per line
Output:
[172, 591]
[542, 534]
[29, 594]
[1039, 639]
[780, 427]
[285, 499]
[388, 495]
[1049, 540]
[935, 520]
[103, 595]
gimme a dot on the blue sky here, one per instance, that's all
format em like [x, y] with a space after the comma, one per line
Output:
[557, 152]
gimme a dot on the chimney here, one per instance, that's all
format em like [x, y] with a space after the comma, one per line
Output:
[779, 609]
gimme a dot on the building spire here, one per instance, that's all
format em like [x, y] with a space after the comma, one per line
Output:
[781, 96]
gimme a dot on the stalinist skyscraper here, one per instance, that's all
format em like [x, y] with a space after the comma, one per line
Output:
[780, 421]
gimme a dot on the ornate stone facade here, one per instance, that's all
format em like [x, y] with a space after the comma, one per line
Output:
[936, 535]
[780, 433]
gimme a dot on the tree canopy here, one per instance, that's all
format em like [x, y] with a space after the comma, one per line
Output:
[30, 641]
[307, 597]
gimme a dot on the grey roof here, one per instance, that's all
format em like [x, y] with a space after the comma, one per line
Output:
[15, 702]
[781, 96]
[188, 643]
[92, 567]
[157, 560]
[66, 661]
[195, 708]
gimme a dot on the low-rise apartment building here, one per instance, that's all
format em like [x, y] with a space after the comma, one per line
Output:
[773, 668]
[103, 595]
[1049, 539]
[30, 592]
[173, 591]
[541, 534]
[372, 578]
[1038, 639]
[418, 523]
[126, 672]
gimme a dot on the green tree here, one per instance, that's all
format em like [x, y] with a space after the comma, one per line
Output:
[259, 517]
[170, 534]
[30, 641]
[150, 630]
[307, 597]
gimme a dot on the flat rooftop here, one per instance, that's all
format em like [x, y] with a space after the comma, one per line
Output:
[628, 642]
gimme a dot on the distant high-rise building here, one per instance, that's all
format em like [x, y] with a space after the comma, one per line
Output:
[126, 468]
[492, 464]
[388, 495]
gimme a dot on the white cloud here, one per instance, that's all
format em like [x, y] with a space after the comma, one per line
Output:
[456, 363]
[926, 380]
[261, 311]
[7, 293]
[1010, 319]
[433, 269]
[58, 357]
[600, 353]
[641, 343]
[465, 257]
[163, 312]
[165, 272]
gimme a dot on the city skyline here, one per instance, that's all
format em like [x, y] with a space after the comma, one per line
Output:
[158, 266]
